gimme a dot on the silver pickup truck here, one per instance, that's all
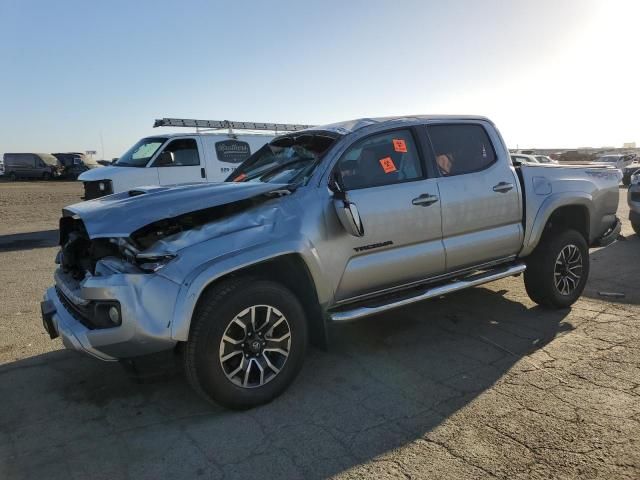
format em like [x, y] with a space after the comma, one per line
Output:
[319, 227]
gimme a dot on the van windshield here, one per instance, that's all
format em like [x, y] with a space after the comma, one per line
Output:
[288, 159]
[48, 159]
[140, 154]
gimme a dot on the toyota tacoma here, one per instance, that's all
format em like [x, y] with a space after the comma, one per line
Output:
[322, 226]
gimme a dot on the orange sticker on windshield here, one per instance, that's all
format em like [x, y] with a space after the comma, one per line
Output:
[387, 165]
[240, 177]
[399, 145]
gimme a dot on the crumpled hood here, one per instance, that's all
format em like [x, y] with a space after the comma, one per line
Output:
[121, 214]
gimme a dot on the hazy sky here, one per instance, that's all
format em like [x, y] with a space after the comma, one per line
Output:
[549, 73]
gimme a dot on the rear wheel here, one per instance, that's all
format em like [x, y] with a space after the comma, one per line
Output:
[46, 176]
[247, 342]
[13, 177]
[636, 227]
[558, 269]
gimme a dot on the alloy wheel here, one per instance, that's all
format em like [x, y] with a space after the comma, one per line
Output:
[567, 272]
[255, 346]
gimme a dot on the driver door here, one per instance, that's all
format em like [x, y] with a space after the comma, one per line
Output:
[384, 175]
[180, 162]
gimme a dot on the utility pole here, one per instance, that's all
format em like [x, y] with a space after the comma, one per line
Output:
[102, 145]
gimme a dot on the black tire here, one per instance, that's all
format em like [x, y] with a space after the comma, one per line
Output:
[216, 311]
[542, 273]
[13, 177]
[46, 176]
[636, 228]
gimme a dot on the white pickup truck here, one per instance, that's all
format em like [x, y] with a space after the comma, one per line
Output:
[208, 155]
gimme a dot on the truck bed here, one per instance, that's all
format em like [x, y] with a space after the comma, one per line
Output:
[548, 187]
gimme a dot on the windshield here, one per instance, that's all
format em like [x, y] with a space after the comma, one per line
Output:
[288, 160]
[49, 159]
[140, 154]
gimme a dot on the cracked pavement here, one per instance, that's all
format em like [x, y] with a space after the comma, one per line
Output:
[479, 384]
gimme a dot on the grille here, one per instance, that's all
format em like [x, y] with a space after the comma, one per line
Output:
[81, 314]
[92, 189]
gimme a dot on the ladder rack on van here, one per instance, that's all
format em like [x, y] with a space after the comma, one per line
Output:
[220, 124]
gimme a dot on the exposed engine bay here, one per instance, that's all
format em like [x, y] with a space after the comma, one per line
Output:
[80, 255]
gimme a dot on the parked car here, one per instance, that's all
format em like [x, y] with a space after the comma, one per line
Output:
[323, 226]
[74, 163]
[545, 159]
[178, 158]
[630, 170]
[620, 161]
[524, 158]
[2, 166]
[576, 157]
[31, 165]
[633, 198]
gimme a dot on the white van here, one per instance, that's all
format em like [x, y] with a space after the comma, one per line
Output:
[182, 157]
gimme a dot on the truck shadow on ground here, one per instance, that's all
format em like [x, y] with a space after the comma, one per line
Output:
[610, 266]
[385, 382]
[28, 241]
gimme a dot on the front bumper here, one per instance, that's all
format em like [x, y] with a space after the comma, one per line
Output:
[58, 322]
[146, 303]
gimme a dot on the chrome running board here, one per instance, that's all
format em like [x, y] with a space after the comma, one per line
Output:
[348, 315]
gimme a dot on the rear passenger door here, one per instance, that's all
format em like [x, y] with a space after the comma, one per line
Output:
[385, 176]
[479, 194]
[180, 162]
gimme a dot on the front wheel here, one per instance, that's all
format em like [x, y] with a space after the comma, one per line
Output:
[558, 269]
[247, 342]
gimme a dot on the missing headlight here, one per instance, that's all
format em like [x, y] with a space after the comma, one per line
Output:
[152, 264]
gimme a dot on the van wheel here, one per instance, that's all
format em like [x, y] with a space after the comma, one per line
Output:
[558, 269]
[46, 176]
[13, 177]
[247, 342]
[636, 227]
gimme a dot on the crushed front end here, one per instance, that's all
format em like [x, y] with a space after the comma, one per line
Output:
[106, 300]
[125, 258]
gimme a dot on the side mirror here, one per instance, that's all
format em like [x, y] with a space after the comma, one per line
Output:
[165, 158]
[346, 210]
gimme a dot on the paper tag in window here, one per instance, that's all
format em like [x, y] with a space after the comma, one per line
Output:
[387, 165]
[399, 145]
[240, 177]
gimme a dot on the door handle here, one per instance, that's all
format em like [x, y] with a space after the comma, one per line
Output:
[202, 174]
[503, 187]
[425, 200]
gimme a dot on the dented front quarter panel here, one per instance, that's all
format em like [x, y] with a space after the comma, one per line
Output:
[205, 254]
